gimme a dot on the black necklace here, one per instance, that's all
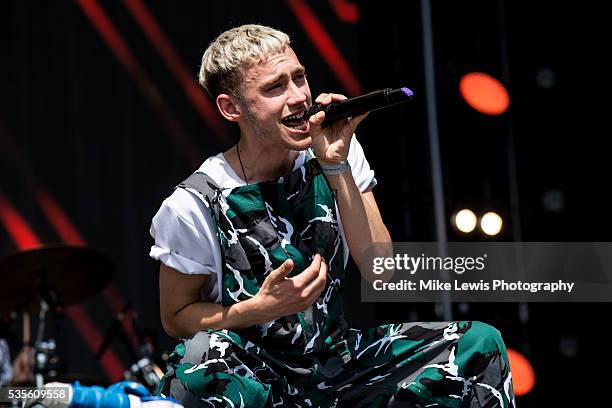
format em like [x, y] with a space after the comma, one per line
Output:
[241, 166]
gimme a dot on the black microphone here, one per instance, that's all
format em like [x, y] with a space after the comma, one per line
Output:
[360, 104]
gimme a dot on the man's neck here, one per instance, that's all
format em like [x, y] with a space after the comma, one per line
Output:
[260, 162]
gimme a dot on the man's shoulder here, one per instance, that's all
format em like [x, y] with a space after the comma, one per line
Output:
[220, 172]
[185, 202]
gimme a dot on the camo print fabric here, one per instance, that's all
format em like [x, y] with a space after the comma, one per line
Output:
[314, 358]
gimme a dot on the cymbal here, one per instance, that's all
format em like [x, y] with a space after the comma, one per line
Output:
[61, 274]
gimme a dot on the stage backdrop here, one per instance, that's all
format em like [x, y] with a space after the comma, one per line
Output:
[101, 116]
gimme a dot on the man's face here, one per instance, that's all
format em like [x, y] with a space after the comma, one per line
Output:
[272, 92]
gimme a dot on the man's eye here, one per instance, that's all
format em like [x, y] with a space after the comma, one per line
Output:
[275, 86]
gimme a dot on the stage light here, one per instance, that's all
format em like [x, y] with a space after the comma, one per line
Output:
[553, 200]
[523, 376]
[491, 223]
[465, 220]
[569, 346]
[484, 93]
[546, 78]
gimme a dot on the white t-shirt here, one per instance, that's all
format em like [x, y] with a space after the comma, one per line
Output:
[184, 233]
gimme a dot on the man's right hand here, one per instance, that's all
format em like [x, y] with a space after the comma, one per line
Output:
[183, 312]
[281, 296]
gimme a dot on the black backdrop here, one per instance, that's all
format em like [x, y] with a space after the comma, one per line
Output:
[76, 122]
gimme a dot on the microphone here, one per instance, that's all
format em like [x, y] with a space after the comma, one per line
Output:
[350, 107]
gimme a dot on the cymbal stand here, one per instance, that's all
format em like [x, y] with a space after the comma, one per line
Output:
[40, 356]
[144, 368]
[44, 349]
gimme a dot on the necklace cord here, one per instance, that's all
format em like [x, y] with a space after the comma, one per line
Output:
[241, 166]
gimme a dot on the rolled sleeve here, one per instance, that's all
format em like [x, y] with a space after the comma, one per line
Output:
[362, 173]
[184, 240]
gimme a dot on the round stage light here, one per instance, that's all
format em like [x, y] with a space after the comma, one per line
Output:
[484, 93]
[465, 220]
[491, 223]
[523, 376]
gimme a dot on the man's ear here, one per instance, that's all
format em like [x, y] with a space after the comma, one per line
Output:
[229, 107]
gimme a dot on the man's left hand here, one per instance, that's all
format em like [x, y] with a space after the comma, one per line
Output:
[331, 144]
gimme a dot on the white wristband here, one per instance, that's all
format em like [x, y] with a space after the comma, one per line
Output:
[336, 168]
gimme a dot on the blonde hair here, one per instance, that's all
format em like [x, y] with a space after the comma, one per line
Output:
[234, 50]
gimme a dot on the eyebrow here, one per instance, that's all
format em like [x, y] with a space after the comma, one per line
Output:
[298, 70]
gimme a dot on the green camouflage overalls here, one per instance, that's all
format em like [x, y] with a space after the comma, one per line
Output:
[314, 358]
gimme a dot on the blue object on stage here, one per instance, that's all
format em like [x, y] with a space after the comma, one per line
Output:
[130, 387]
[115, 396]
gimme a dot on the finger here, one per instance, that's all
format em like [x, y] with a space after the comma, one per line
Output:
[316, 286]
[282, 271]
[336, 97]
[317, 118]
[355, 121]
[309, 273]
[321, 97]
[326, 98]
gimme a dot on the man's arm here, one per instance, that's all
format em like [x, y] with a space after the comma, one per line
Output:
[361, 219]
[359, 212]
[183, 313]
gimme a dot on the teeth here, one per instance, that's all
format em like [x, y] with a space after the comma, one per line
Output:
[294, 116]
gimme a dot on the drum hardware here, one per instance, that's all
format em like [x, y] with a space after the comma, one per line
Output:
[144, 369]
[45, 280]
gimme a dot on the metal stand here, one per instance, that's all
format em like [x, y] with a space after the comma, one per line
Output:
[44, 349]
[434, 150]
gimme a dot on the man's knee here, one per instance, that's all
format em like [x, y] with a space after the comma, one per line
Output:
[196, 348]
[487, 335]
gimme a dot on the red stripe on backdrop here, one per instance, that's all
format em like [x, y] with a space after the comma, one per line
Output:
[118, 46]
[109, 33]
[156, 36]
[70, 235]
[59, 221]
[112, 365]
[345, 10]
[324, 44]
[17, 226]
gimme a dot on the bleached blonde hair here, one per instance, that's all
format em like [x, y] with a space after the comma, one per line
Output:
[234, 50]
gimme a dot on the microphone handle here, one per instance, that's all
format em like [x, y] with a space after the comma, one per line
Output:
[360, 104]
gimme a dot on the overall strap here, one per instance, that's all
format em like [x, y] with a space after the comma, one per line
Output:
[203, 184]
[207, 190]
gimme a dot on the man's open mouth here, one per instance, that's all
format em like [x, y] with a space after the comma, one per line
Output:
[295, 121]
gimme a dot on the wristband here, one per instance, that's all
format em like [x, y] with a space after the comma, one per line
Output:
[335, 169]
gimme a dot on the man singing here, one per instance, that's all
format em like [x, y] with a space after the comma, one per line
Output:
[253, 248]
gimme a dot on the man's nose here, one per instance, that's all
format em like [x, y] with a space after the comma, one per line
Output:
[297, 95]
